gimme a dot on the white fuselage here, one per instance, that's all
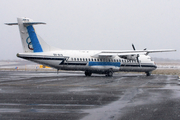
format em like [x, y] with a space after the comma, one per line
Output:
[83, 60]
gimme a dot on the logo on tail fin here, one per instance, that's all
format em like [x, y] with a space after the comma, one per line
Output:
[28, 41]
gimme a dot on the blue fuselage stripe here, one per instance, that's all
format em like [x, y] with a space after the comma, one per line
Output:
[116, 64]
[35, 42]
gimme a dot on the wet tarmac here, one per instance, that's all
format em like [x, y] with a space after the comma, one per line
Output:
[72, 96]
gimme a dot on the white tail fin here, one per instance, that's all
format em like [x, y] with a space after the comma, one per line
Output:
[30, 41]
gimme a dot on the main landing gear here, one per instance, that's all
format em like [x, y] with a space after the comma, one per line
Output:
[88, 73]
[109, 73]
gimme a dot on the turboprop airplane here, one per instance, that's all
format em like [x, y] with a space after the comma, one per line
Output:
[90, 61]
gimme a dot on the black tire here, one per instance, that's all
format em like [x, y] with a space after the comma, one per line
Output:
[148, 73]
[109, 73]
[87, 73]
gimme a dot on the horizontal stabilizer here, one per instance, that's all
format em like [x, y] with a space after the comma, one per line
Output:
[11, 23]
[32, 23]
[26, 23]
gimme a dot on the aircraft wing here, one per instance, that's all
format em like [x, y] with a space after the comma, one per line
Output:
[129, 54]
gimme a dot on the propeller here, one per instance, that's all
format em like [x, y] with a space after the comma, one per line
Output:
[133, 47]
[137, 58]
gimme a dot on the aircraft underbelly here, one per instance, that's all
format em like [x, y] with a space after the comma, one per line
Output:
[89, 68]
[104, 68]
[138, 68]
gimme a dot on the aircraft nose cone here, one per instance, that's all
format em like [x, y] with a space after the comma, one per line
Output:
[155, 66]
[17, 54]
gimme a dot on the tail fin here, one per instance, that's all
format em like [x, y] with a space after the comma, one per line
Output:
[30, 41]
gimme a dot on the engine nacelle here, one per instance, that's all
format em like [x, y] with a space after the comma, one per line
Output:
[129, 57]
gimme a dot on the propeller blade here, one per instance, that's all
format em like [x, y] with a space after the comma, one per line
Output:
[133, 47]
[138, 60]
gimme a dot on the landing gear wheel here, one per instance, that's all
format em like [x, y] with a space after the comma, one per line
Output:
[87, 73]
[148, 73]
[109, 73]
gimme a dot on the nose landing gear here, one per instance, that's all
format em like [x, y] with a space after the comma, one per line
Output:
[148, 73]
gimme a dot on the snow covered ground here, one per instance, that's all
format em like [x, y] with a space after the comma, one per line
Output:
[168, 65]
[25, 65]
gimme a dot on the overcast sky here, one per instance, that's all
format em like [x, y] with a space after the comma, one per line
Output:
[95, 24]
